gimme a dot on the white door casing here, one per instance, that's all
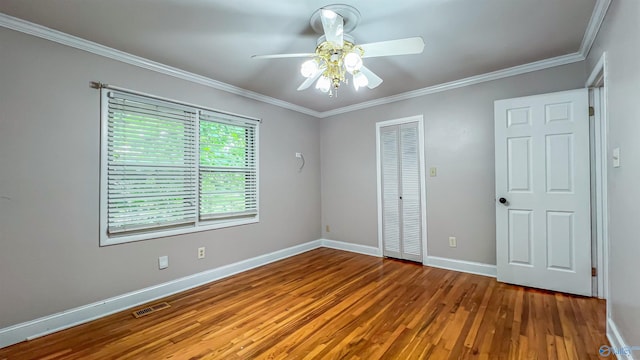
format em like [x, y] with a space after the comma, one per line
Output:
[543, 237]
[401, 204]
[597, 82]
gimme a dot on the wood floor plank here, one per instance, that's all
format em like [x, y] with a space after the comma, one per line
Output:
[330, 304]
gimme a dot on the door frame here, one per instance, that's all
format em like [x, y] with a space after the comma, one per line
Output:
[423, 191]
[598, 80]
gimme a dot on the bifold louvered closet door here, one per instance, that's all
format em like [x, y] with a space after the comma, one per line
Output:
[400, 187]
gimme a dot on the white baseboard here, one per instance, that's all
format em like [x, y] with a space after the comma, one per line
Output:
[434, 261]
[462, 265]
[69, 318]
[66, 319]
[618, 346]
[355, 248]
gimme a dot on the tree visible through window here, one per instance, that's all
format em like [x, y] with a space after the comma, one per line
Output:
[226, 180]
[168, 167]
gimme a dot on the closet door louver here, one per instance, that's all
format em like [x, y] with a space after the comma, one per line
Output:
[410, 185]
[390, 191]
[401, 191]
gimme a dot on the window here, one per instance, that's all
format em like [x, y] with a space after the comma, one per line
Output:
[169, 168]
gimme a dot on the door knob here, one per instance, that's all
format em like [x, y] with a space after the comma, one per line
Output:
[502, 200]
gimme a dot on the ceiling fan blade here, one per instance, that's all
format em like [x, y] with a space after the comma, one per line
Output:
[408, 46]
[278, 56]
[310, 80]
[374, 80]
[333, 26]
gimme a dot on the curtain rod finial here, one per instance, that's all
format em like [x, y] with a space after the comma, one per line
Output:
[97, 85]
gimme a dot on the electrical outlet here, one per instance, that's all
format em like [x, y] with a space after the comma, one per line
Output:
[298, 155]
[433, 172]
[327, 228]
[452, 241]
[163, 262]
[201, 253]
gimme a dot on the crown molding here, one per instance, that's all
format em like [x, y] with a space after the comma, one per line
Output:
[597, 18]
[43, 32]
[595, 22]
[495, 75]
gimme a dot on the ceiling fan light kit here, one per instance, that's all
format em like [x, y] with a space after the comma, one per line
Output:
[332, 64]
[336, 55]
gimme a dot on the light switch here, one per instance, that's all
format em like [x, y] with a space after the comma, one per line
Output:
[453, 242]
[433, 172]
[616, 157]
[163, 262]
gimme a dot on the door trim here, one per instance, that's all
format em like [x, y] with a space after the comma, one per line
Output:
[423, 197]
[598, 79]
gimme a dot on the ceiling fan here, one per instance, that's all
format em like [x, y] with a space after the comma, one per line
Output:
[337, 53]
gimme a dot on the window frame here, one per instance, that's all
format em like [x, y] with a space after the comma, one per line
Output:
[198, 225]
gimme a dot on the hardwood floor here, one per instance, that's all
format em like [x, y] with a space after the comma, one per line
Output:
[330, 304]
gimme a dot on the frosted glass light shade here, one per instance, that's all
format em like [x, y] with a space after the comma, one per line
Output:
[323, 84]
[352, 62]
[309, 68]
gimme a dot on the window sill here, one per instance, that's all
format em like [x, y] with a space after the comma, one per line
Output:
[105, 240]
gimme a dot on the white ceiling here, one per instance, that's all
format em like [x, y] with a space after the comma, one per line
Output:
[215, 38]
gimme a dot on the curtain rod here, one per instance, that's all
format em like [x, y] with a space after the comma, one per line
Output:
[100, 85]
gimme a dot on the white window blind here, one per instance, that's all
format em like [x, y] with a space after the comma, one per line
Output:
[228, 169]
[169, 168]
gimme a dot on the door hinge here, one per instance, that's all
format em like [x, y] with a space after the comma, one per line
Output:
[594, 272]
[592, 111]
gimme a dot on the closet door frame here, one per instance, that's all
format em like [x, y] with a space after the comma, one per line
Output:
[423, 200]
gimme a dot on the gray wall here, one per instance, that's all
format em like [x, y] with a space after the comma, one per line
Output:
[49, 183]
[458, 142]
[49, 174]
[620, 38]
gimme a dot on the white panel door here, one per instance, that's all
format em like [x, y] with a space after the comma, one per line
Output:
[401, 191]
[543, 223]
